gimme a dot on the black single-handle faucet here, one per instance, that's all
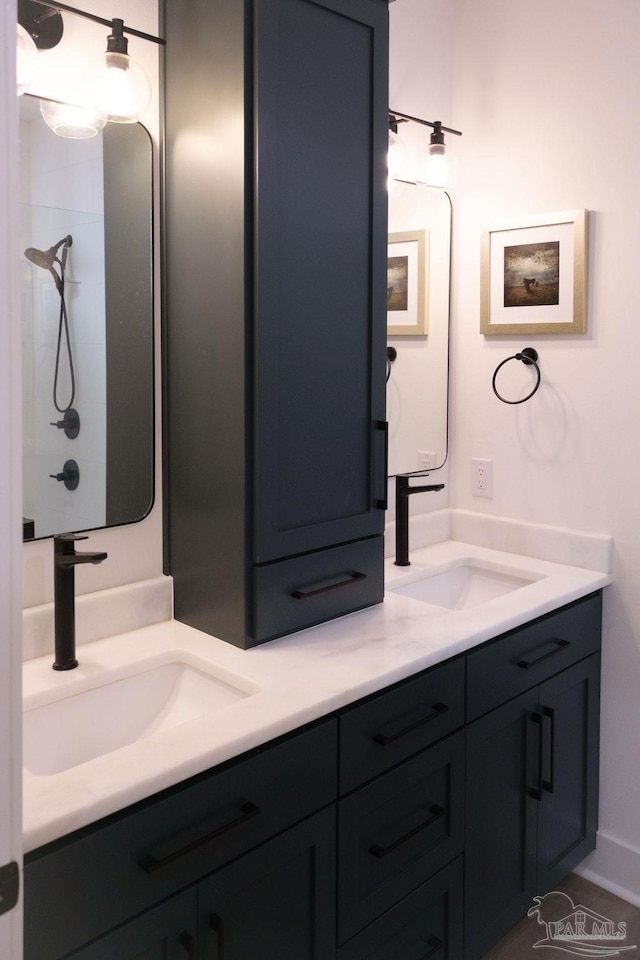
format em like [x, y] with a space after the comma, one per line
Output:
[403, 492]
[65, 559]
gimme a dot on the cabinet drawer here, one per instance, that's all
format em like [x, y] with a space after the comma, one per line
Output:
[522, 658]
[397, 831]
[310, 589]
[392, 726]
[426, 925]
[77, 889]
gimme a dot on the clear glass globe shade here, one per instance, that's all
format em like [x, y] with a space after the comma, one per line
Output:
[66, 120]
[397, 160]
[118, 89]
[26, 61]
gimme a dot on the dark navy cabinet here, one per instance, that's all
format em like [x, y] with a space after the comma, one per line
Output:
[419, 822]
[532, 767]
[275, 320]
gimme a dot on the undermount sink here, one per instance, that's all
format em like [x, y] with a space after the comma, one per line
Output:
[463, 586]
[79, 726]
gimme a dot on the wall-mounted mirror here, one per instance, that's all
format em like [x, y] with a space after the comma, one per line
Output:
[418, 377]
[86, 248]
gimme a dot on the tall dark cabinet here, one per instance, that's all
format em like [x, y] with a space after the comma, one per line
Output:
[275, 205]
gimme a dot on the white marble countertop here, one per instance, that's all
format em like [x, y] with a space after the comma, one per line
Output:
[290, 681]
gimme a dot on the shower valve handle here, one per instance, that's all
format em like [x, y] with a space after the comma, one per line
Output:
[70, 475]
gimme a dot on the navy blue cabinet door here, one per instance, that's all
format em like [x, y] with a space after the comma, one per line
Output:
[275, 903]
[320, 266]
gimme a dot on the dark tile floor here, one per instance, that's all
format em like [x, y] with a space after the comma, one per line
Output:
[519, 942]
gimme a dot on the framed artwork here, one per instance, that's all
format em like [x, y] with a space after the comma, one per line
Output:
[534, 276]
[407, 284]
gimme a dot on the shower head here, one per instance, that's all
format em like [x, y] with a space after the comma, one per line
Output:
[47, 258]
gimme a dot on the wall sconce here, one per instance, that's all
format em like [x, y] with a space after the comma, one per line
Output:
[436, 166]
[115, 88]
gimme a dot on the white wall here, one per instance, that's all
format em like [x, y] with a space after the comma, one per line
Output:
[135, 551]
[546, 97]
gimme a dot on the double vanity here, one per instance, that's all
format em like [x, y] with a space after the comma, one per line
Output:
[400, 782]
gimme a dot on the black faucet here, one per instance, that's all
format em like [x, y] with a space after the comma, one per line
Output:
[403, 492]
[65, 559]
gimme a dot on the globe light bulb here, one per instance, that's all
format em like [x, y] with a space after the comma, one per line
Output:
[118, 89]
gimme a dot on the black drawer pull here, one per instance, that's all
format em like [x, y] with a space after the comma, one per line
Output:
[217, 925]
[548, 785]
[150, 863]
[434, 945]
[536, 792]
[384, 738]
[557, 647]
[308, 594]
[187, 941]
[379, 852]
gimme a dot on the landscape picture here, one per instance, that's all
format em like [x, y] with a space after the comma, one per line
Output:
[532, 274]
[398, 283]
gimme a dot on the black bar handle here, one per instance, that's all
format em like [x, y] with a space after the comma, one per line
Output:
[217, 925]
[434, 945]
[309, 594]
[536, 792]
[558, 646]
[548, 785]
[380, 852]
[188, 942]
[384, 738]
[150, 863]
[384, 502]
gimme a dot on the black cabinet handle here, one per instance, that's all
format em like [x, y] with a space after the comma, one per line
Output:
[308, 594]
[384, 738]
[434, 945]
[379, 852]
[150, 863]
[217, 925]
[536, 792]
[384, 502]
[557, 647]
[188, 942]
[548, 785]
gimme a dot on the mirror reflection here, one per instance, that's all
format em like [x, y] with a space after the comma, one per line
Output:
[418, 373]
[87, 324]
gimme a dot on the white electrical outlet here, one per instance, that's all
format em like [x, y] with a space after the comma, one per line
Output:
[481, 477]
[426, 460]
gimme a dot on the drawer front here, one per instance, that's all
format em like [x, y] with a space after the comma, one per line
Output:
[522, 658]
[426, 925]
[316, 587]
[397, 831]
[76, 890]
[394, 725]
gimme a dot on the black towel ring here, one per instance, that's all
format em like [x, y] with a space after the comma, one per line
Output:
[529, 356]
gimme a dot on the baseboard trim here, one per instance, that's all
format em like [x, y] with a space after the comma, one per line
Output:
[615, 866]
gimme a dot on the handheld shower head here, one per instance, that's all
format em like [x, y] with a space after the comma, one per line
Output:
[47, 258]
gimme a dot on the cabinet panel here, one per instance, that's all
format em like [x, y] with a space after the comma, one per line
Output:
[522, 658]
[297, 593]
[501, 811]
[567, 814]
[87, 884]
[320, 266]
[275, 903]
[166, 933]
[393, 725]
[426, 925]
[397, 831]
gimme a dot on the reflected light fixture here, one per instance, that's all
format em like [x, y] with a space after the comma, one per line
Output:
[26, 60]
[115, 88]
[436, 165]
[67, 120]
[396, 159]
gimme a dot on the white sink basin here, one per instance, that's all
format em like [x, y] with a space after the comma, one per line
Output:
[83, 725]
[463, 586]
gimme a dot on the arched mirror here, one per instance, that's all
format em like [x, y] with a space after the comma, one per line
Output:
[418, 283]
[87, 321]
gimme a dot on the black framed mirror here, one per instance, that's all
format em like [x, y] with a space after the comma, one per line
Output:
[86, 249]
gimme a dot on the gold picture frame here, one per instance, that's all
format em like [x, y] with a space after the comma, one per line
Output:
[407, 284]
[533, 276]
